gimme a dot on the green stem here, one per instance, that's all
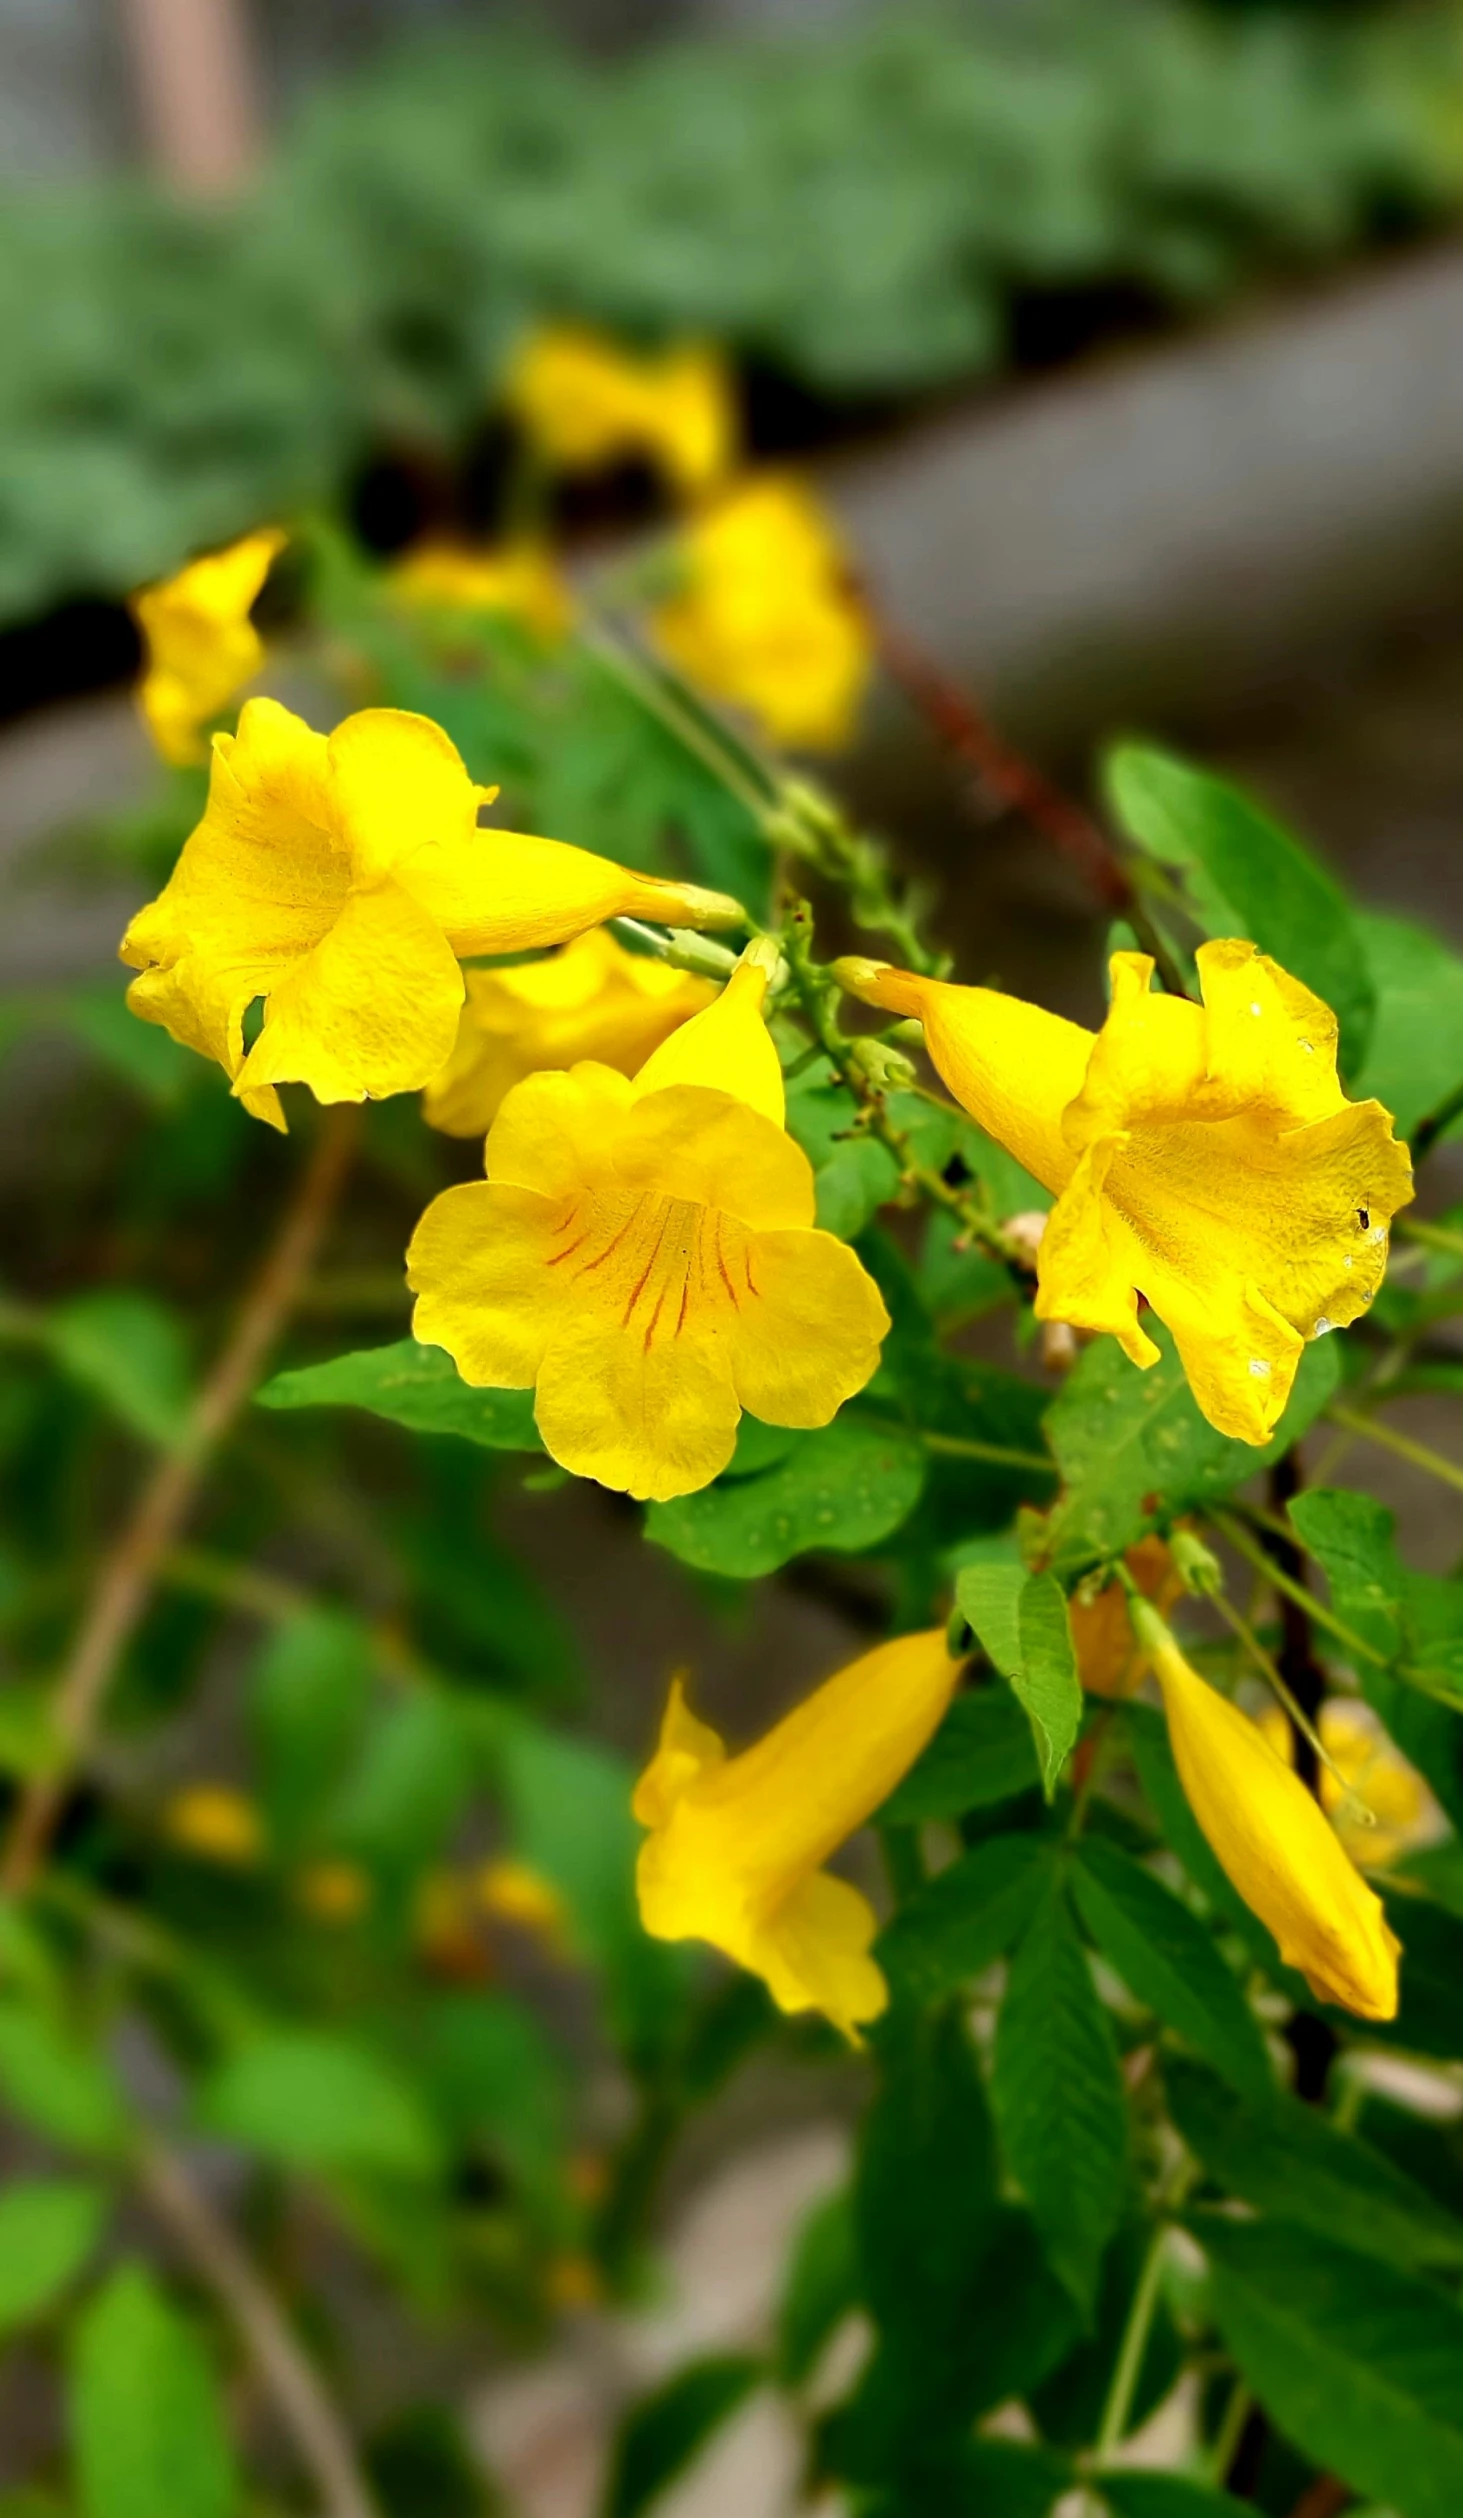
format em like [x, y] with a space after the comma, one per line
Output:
[656, 698]
[1230, 2432]
[680, 947]
[1250, 1549]
[1129, 2366]
[1431, 1236]
[1418, 1455]
[1428, 1130]
[1265, 1663]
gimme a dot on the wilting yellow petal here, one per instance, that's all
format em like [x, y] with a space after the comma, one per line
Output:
[1205, 1158]
[520, 579]
[737, 1844]
[585, 401]
[592, 1001]
[201, 644]
[1273, 1840]
[641, 1261]
[766, 616]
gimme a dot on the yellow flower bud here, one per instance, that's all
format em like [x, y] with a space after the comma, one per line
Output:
[1273, 1840]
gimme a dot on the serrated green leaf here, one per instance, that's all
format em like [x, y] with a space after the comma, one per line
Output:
[1023, 1627]
[48, 2228]
[315, 2101]
[665, 2431]
[1414, 1620]
[1359, 2366]
[1134, 1450]
[983, 1752]
[1248, 877]
[414, 1385]
[146, 2422]
[1165, 1956]
[1293, 2164]
[65, 2090]
[845, 1488]
[1059, 2097]
[970, 1915]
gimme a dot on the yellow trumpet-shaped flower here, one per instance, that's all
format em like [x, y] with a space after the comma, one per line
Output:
[519, 579]
[201, 644]
[644, 1256]
[339, 878]
[585, 401]
[1204, 1156]
[766, 617]
[593, 1000]
[1378, 1804]
[737, 1844]
[1273, 1840]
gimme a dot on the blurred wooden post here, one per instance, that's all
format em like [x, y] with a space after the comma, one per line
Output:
[198, 89]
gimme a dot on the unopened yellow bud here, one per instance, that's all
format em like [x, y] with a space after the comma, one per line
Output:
[215, 1823]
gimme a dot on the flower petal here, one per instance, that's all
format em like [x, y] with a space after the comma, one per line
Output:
[202, 645]
[372, 1010]
[478, 1264]
[1086, 1259]
[810, 1337]
[690, 1142]
[555, 1130]
[813, 1954]
[651, 1419]
[686, 1748]
[400, 793]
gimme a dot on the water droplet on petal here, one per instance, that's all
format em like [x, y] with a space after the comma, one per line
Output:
[1259, 1368]
[1255, 1009]
[1323, 1328]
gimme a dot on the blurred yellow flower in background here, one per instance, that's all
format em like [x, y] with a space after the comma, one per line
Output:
[766, 617]
[514, 1892]
[217, 1823]
[333, 1890]
[517, 578]
[1378, 1804]
[1204, 1156]
[644, 1256]
[339, 878]
[586, 401]
[593, 1000]
[737, 1845]
[1284, 1857]
[201, 645]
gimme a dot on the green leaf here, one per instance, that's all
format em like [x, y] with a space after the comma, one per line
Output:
[969, 1916]
[1414, 1060]
[983, 1752]
[1359, 2366]
[1248, 877]
[1168, 2496]
[65, 2090]
[1168, 1960]
[1059, 2097]
[1415, 1620]
[665, 2431]
[318, 2102]
[926, 2188]
[48, 2228]
[129, 1350]
[1134, 1450]
[821, 2286]
[414, 1385]
[494, 2078]
[1294, 2165]
[146, 2422]
[1023, 1627]
[310, 1691]
[409, 1786]
[845, 1488]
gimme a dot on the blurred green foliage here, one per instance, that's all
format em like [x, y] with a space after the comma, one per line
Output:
[865, 214]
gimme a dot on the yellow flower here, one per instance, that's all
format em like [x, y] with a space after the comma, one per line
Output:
[586, 402]
[1203, 1155]
[333, 1891]
[514, 1892]
[215, 1823]
[737, 1844]
[1284, 1858]
[201, 644]
[1110, 1660]
[593, 1000]
[1378, 1804]
[519, 579]
[644, 1256]
[339, 878]
[766, 618]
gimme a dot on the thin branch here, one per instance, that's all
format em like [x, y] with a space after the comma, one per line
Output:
[324, 2444]
[1418, 1455]
[122, 1594]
